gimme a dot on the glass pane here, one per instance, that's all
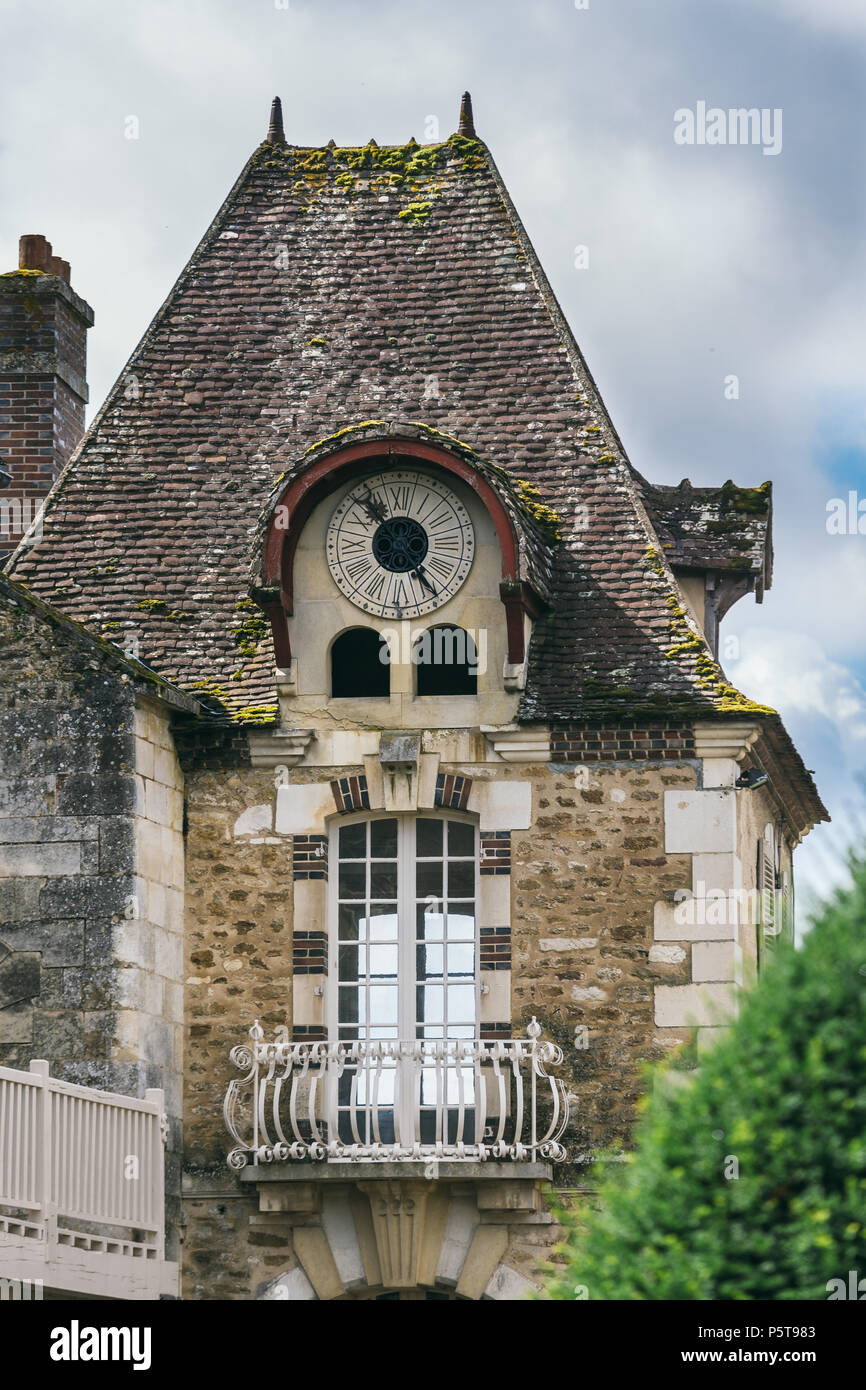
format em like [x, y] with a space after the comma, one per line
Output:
[461, 922]
[353, 841]
[351, 962]
[428, 878]
[431, 924]
[383, 880]
[430, 962]
[352, 880]
[383, 1003]
[349, 999]
[461, 879]
[428, 840]
[352, 922]
[383, 839]
[461, 838]
[461, 1030]
[382, 922]
[431, 1003]
[461, 959]
[461, 1003]
[383, 962]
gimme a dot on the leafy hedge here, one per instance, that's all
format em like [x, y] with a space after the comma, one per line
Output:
[785, 1096]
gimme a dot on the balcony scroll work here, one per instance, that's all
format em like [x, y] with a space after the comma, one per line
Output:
[457, 1099]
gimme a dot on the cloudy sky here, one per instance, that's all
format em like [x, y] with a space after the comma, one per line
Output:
[705, 261]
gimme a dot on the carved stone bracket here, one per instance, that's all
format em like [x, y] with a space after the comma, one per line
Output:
[282, 749]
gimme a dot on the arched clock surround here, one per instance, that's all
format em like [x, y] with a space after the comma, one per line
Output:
[294, 504]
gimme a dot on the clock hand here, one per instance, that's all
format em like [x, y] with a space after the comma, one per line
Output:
[420, 573]
[373, 507]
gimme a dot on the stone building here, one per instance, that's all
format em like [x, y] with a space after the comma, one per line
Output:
[358, 691]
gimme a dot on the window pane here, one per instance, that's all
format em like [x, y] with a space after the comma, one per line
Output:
[383, 1003]
[352, 880]
[383, 839]
[430, 962]
[461, 838]
[351, 962]
[382, 922]
[383, 962]
[428, 879]
[352, 923]
[461, 959]
[428, 839]
[461, 922]
[461, 879]
[431, 923]
[353, 841]
[431, 1003]
[383, 880]
[349, 1001]
[461, 1003]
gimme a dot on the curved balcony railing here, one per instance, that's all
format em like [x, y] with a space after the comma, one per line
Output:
[467, 1099]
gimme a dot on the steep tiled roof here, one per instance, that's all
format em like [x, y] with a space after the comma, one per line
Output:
[337, 286]
[726, 528]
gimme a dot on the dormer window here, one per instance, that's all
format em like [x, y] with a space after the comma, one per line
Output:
[360, 666]
[446, 659]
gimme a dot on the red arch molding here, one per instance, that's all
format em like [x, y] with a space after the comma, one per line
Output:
[304, 492]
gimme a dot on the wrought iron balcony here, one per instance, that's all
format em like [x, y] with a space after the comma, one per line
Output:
[391, 1100]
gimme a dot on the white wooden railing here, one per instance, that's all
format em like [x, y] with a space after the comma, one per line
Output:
[472, 1099]
[82, 1187]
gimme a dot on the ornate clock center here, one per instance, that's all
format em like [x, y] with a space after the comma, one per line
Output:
[400, 544]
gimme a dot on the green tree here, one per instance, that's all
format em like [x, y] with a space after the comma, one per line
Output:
[749, 1181]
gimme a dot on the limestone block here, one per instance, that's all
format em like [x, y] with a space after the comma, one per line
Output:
[686, 1006]
[456, 1240]
[681, 922]
[502, 805]
[513, 1195]
[712, 871]
[717, 960]
[506, 1285]
[339, 1226]
[489, 1244]
[363, 1217]
[52, 859]
[568, 943]
[494, 900]
[700, 822]
[145, 757]
[307, 1005]
[301, 809]
[314, 1253]
[496, 1002]
[16, 1023]
[166, 768]
[720, 772]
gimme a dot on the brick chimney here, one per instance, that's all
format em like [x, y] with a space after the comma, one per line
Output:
[43, 392]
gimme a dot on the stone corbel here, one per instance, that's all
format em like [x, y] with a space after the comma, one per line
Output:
[285, 748]
[287, 680]
[519, 743]
[722, 747]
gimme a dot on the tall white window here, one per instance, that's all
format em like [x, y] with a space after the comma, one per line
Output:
[404, 968]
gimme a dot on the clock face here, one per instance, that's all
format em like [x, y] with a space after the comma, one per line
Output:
[400, 544]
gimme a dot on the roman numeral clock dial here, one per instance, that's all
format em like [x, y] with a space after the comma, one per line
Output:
[400, 544]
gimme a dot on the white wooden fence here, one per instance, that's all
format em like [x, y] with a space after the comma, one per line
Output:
[82, 1187]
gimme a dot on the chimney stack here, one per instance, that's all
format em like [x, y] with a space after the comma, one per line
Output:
[43, 391]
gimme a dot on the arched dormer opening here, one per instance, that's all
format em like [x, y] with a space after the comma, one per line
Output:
[360, 665]
[446, 661]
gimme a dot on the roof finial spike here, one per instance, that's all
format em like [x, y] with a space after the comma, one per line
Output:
[467, 125]
[276, 135]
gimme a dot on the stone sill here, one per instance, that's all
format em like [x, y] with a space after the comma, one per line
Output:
[454, 1170]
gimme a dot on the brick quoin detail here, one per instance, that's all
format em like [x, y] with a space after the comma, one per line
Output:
[496, 851]
[492, 1032]
[351, 794]
[573, 745]
[495, 952]
[310, 953]
[452, 793]
[309, 1033]
[310, 856]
